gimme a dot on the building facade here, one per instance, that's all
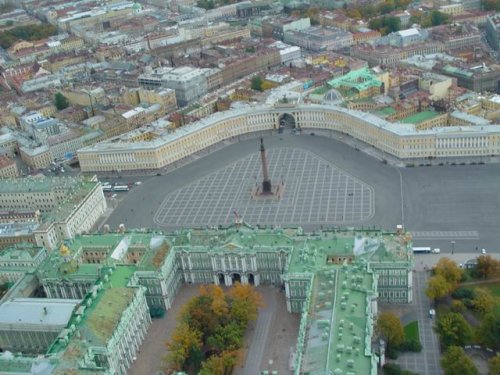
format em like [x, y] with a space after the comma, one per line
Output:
[404, 141]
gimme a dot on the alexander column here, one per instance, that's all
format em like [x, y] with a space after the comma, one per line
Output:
[266, 183]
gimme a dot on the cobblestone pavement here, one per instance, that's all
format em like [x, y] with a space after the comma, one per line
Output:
[153, 349]
[314, 191]
[269, 341]
[427, 361]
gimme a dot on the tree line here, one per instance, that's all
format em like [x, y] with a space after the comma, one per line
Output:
[28, 32]
[455, 303]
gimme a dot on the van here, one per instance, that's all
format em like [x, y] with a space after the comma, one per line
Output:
[436, 251]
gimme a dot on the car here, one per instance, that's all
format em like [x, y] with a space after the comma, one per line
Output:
[138, 182]
[483, 251]
[113, 196]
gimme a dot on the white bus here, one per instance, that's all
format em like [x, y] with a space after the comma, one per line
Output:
[120, 188]
[107, 188]
[422, 250]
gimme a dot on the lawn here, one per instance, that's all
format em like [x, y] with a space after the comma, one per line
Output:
[494, 288]
[411, 331]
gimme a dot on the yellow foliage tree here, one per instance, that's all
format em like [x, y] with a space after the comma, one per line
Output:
[449, 270]
[437, 287]
[390, 328]
[184, 340]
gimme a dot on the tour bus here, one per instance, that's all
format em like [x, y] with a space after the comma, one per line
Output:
[421, 250]
[107, 188]
[121, 188]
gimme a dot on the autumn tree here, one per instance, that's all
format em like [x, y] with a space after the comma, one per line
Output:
[453, 329]
[390, 328]
[449, 270]
[487, 266]
[483, 301]
[437, 287]
[185, 340]
[245, 302]
[456, 362]
[494, 365]
[222, 364]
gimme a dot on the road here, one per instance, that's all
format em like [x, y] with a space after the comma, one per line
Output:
[441, 203]
[427, 361]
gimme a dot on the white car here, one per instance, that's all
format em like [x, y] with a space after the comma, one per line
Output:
[483, 251]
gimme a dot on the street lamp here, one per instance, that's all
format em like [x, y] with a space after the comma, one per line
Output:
[452, 247]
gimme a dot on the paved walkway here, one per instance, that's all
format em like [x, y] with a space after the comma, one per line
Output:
[269, 340]
[153, 351]
[427, 361]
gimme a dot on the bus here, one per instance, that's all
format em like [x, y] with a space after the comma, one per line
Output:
[121, 188]
[107, 188]
[422, 250]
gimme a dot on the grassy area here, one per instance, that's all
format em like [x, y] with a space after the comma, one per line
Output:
[494, 288]
[411, 331]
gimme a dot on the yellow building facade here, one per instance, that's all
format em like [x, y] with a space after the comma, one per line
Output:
[404, 141]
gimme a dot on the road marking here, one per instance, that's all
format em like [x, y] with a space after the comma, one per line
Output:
[445, 235]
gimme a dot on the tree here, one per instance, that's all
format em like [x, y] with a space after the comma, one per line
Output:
[390, 328]
[245, 302]
[453, 329]
[256, 83]
[449, 270]
[439, 18]
[60, 101]
[456, 362]
[219, 365]
[184, 341]
[487, 266]
[488, 332]
[483, 301]
[437, 287]
[494, 365]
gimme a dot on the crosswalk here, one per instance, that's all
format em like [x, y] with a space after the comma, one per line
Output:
[445, 235]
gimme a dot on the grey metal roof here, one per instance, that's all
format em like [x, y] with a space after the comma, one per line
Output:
[37, 311]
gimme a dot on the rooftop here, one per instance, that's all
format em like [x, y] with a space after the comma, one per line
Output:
[44, 312]
[339, 324]
[419, 117]
[103, 316]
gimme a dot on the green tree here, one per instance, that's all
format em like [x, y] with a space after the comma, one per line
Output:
[256, 83]
[219, 365]
[488, 332]
[487, 266]
[437, 287]
[456, 362]
[390, 328]
[453, 329]
[494, 365]
[449, 270]
[439, 18]
[228, 337]
[60, 101]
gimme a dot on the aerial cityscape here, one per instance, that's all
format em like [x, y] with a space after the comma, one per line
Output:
[256, 187]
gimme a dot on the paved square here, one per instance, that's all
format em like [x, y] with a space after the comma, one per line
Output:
[316, 192]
